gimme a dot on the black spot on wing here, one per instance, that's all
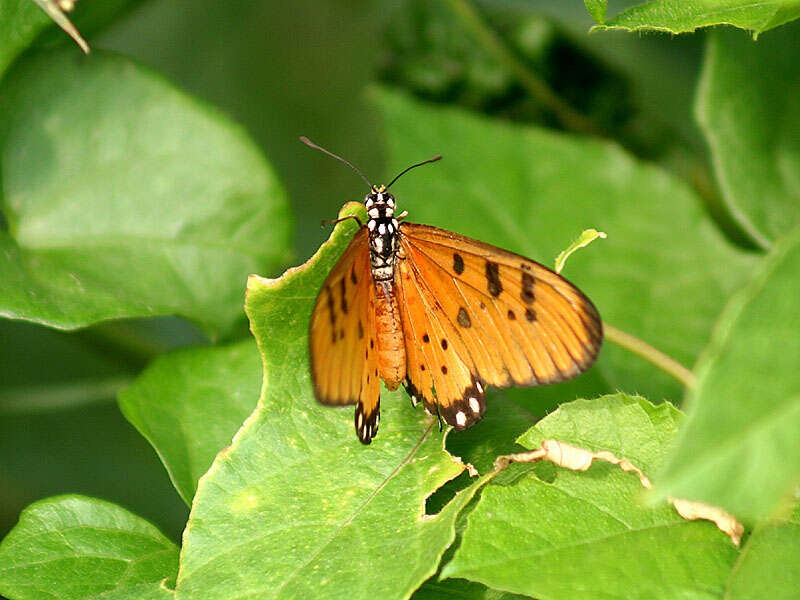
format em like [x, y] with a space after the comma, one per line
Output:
[360, 330]
[331, 305]
[343, 291]
[463, 318]
[458, 263]
[530, 314]
[527, 288]
[493, 283]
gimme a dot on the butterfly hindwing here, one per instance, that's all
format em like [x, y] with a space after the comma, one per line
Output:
[341, 337]
[440, 369]
[507, 320]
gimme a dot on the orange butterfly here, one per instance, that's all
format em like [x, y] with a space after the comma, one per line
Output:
[443, 314]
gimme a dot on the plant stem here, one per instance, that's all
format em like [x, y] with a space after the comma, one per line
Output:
[667, 364]
[571, 119]
[42, 398]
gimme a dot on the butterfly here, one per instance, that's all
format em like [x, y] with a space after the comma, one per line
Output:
[444, 315]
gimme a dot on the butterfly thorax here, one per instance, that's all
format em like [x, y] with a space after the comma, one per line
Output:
[383, 231]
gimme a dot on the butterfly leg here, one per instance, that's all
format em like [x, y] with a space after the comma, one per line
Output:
[337, 221]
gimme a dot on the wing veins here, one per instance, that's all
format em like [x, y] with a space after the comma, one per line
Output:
[547, 340]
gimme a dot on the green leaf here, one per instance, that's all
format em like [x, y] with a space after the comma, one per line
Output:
[747, 107]
[188, 405]
[20, 21]
[681, 16]
[145, 591]
[297, 507]
[739, 449]
[597, 8]
[628, 426]
[664, 273]
[76, 547]
[587, 535]
[126, 198]
[769, 566]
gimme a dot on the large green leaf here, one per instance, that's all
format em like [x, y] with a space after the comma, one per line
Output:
[297, 507]
[126, 198]
[73, 547]
[769, 566]
[747, 106]
[20, 21]
[739, 448]
[662, 275]
[587, 535]
[681, 16]
[188, 404]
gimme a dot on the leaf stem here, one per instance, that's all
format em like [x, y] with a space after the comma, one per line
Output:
[42, 398]
[640, 348]
[570, 118]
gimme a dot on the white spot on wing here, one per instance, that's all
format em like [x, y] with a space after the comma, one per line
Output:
[479, 386]
[374, 213]
[382, 228]
[371, 225]
[461, 418]
[475, 405]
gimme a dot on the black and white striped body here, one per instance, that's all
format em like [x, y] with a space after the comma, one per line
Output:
[383, 232]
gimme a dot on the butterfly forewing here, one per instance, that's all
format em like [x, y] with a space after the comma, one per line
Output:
[343, 365]
[506, 320]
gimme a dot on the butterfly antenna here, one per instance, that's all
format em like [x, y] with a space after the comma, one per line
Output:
[308, 142]
[404, 171]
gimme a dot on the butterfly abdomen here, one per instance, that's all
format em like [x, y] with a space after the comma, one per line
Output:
[389, 335]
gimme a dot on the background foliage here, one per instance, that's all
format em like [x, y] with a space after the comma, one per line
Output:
[142, 184]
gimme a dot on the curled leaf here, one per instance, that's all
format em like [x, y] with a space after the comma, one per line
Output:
[574, 458]
[585, 238]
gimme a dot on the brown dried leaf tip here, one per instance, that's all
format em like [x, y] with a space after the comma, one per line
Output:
[580, 459]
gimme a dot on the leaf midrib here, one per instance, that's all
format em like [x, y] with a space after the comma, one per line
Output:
[358, 510]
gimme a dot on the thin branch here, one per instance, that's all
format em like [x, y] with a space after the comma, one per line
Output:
[570, 118]
[667, 364]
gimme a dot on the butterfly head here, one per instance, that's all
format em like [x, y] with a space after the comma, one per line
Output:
[379, 203]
